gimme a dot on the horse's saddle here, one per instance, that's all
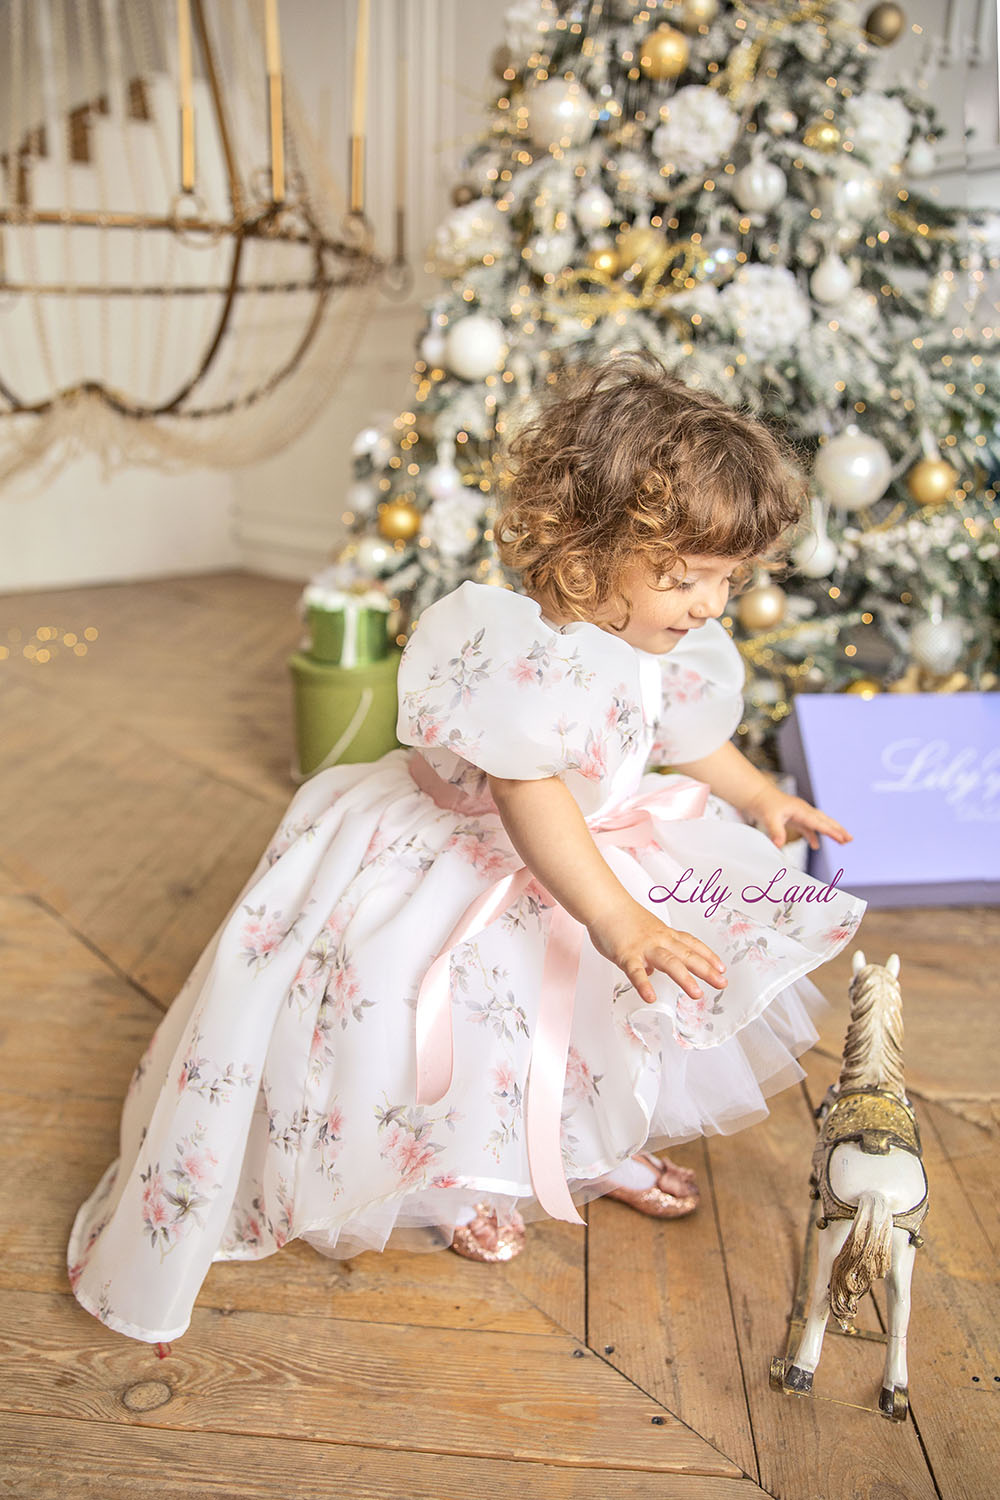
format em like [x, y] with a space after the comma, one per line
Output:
[879, 1121]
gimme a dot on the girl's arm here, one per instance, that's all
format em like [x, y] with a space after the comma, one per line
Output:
[730, 776]
[549, 832]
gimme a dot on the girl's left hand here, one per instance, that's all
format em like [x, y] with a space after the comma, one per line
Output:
[778, 813]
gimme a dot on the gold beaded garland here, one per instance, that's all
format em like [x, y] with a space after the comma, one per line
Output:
[398, 520]
[643, 245]
[932, 481]
[664, 53]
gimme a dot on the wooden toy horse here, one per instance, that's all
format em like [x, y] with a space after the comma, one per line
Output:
[867, 1172]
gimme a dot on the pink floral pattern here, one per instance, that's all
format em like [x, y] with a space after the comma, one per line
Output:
[508, 1101]
[407, 1143]
[263, 933]
[210, 1080]
[581, 1082]
[172, 1201]
[278, 1097]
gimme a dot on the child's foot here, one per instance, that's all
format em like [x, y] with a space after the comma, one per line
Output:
[480, 1238]
[655, 1186]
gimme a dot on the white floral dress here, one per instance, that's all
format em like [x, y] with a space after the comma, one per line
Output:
[277, 1098]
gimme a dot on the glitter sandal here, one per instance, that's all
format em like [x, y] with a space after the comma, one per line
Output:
[655, 1200]
[483, 1239]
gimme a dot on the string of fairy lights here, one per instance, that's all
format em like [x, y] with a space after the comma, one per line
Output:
[46, 643]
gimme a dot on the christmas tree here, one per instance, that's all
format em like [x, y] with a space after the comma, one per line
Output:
[720, 183]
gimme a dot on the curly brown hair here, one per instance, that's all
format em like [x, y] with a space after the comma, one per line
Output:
[624, 462]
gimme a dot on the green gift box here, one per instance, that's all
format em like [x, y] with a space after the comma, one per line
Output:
[348, 627]
[335, 635]
[343, 714]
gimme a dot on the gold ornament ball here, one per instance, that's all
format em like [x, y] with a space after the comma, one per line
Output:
[664, 53]
[643, 244]
[462, 193]
[695, 13]
[932, 481]
[762, 607]
[398, 520]
[604, 260]
[884, 23]
[821, 135]
[863, 687]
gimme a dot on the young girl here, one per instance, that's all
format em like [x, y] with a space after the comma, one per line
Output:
[484, 974]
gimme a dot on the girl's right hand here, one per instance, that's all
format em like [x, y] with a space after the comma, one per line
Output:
[638, 942]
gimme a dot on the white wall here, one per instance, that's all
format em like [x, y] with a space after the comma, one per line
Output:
[79, 528]
[281, 517]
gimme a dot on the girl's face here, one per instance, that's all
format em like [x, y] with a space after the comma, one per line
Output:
[662, 618]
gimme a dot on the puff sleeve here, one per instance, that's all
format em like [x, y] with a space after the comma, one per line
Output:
[702, 698]
[485, 676]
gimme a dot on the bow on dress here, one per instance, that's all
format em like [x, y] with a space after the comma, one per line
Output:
[629, 824]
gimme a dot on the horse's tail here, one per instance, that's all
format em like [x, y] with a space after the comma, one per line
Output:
[865, 1255]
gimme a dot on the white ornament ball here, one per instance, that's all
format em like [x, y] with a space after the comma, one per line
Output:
[921, 159]
[853, 194]
[474, 346]
[551, 252]
[815, 556]
[448, 526]
[432, 348]
[759, 185]
[366, 441]
[444, 481]
[593, 209]
[560, 113]
[721, 253]
[937, 643]
[832, 280]
[852, 470]
[373, 555]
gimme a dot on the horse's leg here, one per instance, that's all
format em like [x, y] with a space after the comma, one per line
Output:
[800, 1372]
[897, 1292]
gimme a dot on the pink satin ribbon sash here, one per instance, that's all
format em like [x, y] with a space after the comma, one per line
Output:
[630, 823]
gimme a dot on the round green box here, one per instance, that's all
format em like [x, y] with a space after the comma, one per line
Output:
[343, 715]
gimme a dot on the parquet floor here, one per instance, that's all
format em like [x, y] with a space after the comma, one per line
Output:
[140, 783]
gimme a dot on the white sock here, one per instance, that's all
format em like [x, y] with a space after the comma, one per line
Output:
[634, 1174]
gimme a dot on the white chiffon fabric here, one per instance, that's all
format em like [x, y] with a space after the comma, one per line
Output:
[276, 1099]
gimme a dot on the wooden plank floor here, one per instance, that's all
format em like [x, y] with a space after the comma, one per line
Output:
[141, 782]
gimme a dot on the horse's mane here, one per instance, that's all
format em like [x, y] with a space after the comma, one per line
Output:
[873, 1048]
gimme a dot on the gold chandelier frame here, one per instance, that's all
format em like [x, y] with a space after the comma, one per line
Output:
[336, 262]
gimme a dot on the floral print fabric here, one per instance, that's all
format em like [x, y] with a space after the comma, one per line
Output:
[276, 1097]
